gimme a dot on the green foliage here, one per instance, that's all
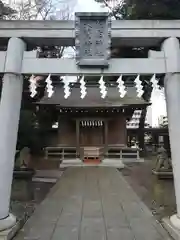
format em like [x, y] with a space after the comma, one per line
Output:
[26, 129]
[153, 9]
[29, 135]
[146, 9]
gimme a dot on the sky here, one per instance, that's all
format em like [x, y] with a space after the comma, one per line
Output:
[158, 106]
[87, 6]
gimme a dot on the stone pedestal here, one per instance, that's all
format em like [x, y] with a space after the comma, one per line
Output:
[10, 232]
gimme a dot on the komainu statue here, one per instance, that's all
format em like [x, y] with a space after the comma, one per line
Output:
[163, 164]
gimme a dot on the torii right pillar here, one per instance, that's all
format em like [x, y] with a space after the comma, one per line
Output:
[171, 49]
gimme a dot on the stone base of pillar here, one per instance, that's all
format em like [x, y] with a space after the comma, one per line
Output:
[175, 220]
[7, 223]
[172, 225]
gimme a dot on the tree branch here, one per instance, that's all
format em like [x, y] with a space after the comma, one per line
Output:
[113, 10]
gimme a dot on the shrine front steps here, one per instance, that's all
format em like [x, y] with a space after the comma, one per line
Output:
[117, 163]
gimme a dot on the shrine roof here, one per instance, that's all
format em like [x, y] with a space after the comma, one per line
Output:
[93, 98]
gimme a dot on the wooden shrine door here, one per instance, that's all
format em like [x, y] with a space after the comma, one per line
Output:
[91, 135]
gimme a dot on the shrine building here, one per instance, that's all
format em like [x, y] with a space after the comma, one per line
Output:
[93, 122]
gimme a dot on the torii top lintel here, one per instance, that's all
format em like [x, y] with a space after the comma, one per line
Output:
[92, 58]
[124, 32]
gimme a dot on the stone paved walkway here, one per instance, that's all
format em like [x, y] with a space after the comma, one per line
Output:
[92, 204]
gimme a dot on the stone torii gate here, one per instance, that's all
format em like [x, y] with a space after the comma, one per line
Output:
[16, 62]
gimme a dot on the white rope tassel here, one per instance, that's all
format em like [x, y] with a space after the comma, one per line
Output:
[67, 91]
[139, 87]
[154, 82]
[33, 86]
[121, 87]
[103, 89]
[83, 88]
[49, 86]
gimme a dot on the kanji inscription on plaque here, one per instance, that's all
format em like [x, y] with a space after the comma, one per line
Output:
[93, 39]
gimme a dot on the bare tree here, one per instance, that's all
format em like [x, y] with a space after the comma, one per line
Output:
[42, 9]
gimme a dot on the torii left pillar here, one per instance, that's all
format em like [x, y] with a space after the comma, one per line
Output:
[9, 120]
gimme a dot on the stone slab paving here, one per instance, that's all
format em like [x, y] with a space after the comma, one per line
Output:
[92, 204]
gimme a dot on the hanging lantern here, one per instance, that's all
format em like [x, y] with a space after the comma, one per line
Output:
[49, 86]
[83, 88]
[139, 87]
[32, 86]
[103, 89]
[121, 87]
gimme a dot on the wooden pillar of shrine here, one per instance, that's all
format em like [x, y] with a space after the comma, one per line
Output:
[105, 135]
[77, 136]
